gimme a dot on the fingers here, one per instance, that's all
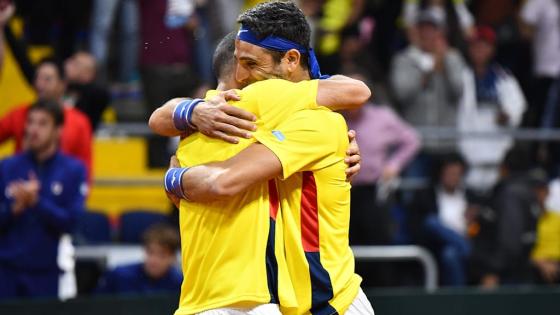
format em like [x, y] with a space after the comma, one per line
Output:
[174, 162]
[238, 112]
[230, 95]
[222, 136]
[244, 125]
[233, 131]
[174, 199]
[352, 171]
[353, 147]
[353, 159]
[351, 135]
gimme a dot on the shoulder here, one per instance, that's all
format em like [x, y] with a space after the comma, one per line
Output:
[13, 160]
[127, 271]
[276, 84]
[75, 115]
[454, 54]
[175, 274]
[19, 111]
[71, 163]
[405, 54]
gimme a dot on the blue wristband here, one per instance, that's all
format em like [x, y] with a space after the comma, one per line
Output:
[182, 115]
[190, 111]
[324, 77]
[173, 180]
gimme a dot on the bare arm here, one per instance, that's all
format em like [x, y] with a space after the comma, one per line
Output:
[217, 119]
[222, 180]
[342, 93]
[214, 118]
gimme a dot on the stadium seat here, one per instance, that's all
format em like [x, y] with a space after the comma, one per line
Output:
[93, 228]
[134, 222]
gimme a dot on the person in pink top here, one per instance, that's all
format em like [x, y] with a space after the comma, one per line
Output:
[387, 144]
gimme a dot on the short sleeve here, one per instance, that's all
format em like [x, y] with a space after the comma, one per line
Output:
[531, 11]
[278, 99]
[306, 141]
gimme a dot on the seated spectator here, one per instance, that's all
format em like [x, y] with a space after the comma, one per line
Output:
[43, 192]
[76, 138]
[427, 81]
[156, 274]
[518, 201]
[82, 92]
[439, 219]
[387, 144]
[546, 253]
[492, 100]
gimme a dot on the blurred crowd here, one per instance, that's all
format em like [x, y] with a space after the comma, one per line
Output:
[452, 81]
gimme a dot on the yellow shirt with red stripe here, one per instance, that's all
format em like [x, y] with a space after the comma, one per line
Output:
[227, 258]
[315, 203]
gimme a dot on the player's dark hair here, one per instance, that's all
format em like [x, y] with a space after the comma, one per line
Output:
[163, 235]
[223, 59]
[57, 65]
[279, 18]
[54, 109]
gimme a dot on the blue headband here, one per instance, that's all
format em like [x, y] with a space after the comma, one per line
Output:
[281, 44]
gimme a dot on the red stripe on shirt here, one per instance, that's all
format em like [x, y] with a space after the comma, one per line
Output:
[309, 214]
[273, 199]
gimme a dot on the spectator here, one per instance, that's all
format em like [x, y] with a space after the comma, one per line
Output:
[43, 192]
[427, 79]
[387, 144]
[104, 12]
[76, 139]
[492, 100]
[439, 219]
[156, 274]
[455, 13]
[518, 200]
[546, 253]
[166, 67]
[428, 83]
[86, 95]
[540, 22]
[354, 53]
[6, 12]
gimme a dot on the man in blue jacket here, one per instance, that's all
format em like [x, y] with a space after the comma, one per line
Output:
[42, 192]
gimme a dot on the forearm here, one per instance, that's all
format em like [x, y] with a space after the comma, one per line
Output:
[407, 148]
[454, 67]
[342, 93]
[221, 180]
[161, 120]
[55, 216]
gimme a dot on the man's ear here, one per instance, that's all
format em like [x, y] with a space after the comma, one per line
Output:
[293, 58]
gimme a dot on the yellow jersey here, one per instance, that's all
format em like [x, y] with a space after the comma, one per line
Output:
[230, 253]
[315, 203]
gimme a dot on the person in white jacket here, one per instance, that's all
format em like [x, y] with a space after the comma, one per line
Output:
[492, 103]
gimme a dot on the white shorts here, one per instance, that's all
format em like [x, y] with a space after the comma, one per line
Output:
[360, 305]
[265, 309]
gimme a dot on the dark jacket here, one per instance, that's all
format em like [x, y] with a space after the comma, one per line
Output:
[517, 213]
[133, 279]
[30, 241]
